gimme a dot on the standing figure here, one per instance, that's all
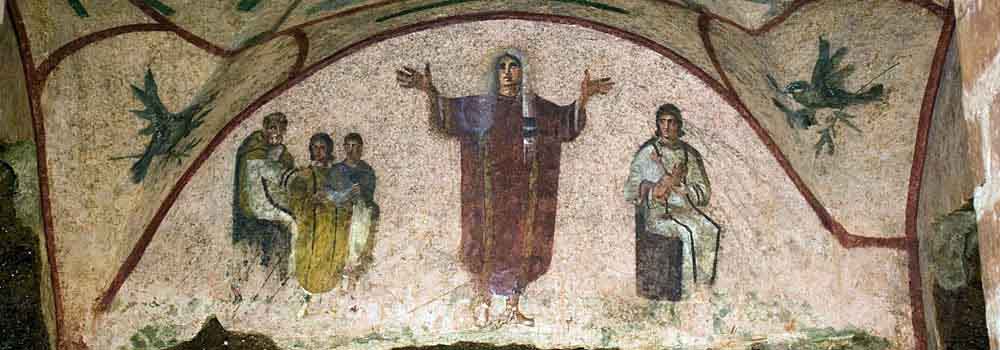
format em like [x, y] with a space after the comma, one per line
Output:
[511, 144]
[676, 242]
[259, 227]
[320, 197]
[364, 222]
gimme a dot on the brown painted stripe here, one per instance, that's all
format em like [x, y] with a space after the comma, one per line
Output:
[38, 125]
[845, 238]
[205, 45]
[220, 51]
[56, 57]
[150, 231]
[794, 7]
[941, 11]
[916, 179]
[181, 32]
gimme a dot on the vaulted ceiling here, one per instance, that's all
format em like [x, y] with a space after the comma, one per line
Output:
[80, 58]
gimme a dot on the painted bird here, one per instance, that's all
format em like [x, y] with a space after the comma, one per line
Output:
[166, 129]
[826, 90]
[797, 119]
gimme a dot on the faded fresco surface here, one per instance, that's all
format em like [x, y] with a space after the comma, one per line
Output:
[372, 174]
[417, 290]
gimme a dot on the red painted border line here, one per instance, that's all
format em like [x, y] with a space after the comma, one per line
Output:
[775, 21]
[845, 238]
[181, 32]
[916, 179]
[300, 27]
[149, 232]
[57, 56]
[224, 52]
[165, 24]
[302, 41]
[38, 125]
[937, 10]
[943, 12]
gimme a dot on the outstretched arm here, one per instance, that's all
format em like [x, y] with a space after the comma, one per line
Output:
[440, 110]
[574, 122]
[589, 88]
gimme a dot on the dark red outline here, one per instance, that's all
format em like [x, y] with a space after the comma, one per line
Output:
[224, 52]
[916, 179]
[845, 238]
[181, 32]
[794, 7]
[38, 125]
[56, 57]
[164, 24]
[910, 240]
[150, 231]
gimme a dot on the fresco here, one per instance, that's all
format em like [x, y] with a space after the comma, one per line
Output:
[329, 206]
[826, 91]
[667, 184]
[418, 277]
[511, 146]
[259, 227]
[168, 132]
[518, 198]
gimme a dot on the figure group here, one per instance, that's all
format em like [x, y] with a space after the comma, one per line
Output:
[511, 146]
[313, 222]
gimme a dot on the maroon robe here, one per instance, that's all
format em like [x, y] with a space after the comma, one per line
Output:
[508, 193]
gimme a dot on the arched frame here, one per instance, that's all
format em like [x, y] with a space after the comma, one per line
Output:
[37, 75]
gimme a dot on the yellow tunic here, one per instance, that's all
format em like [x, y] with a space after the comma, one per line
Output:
[320, 247]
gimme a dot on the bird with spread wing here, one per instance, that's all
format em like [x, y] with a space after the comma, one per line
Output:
[167, 131]
[825, 91]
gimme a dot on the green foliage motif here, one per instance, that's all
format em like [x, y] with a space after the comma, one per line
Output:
[168, 131]
[825, 91]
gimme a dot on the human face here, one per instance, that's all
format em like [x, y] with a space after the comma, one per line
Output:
[274, 133]
[670, 127]
[318, 151]
[509, 76]
[353, 150]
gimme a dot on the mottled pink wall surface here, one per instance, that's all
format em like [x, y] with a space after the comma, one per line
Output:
[811, 239]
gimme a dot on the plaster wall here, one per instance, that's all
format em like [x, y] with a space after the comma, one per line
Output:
[416, 292]
[216, 55]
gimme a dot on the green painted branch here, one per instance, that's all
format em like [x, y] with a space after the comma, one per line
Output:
[247, 5]
[160, 7]
[78, 8]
